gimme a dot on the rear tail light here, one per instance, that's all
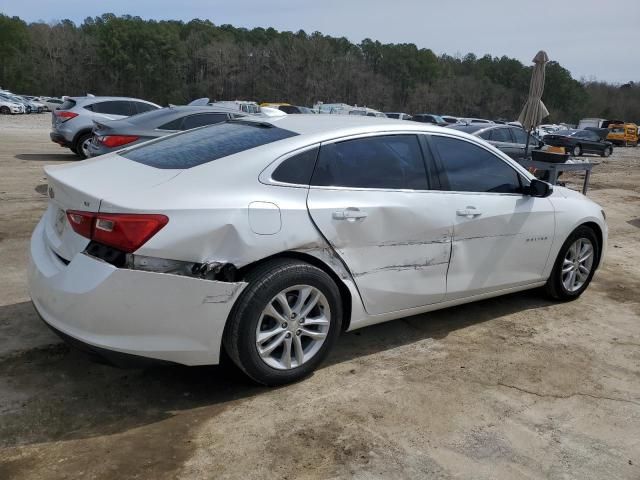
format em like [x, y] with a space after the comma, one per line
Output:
[123, 231]
[116, 140]
[64, 115]
[81, 222]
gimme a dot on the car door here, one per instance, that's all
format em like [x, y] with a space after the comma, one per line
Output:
[500, 137]
[501, 237]
[592, 142]
[520, 141]
[369, 197]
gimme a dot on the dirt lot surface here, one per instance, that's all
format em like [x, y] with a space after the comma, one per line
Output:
[514, 387]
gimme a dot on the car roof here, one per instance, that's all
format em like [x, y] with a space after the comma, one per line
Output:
[336, 125]
[153, 118]
[101, 99]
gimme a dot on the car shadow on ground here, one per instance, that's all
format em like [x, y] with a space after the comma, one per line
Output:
[53, 392]
[47, 157]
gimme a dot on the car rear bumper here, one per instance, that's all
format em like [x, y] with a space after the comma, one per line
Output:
[146, 314]
[59, 139]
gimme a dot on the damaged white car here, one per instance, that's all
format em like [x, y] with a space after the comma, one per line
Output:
[269, 238]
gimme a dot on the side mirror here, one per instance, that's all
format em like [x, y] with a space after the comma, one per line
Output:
[538, 188]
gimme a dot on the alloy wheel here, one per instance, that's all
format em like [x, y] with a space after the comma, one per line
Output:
[292, 327]
[577, 264]
[85, 147]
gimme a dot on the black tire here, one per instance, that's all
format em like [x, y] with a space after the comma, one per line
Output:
[555, 287]
[4, 110]
[576, 151]
[265, 282]
[77, 147]
[607, 152]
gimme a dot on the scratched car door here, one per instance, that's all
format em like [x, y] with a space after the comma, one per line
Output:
[502, 237]
[370, 198]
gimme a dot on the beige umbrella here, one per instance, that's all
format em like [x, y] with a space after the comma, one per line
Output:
[534, 110]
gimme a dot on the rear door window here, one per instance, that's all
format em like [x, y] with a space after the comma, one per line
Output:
[67, 105]
[388, 162]
[520, 136]
[195, 147]
[501, 135]
[194, 121]
[172, 125]
[471, 168]
[142, 107]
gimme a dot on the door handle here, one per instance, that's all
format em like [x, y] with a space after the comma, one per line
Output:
[350, 214]
[469, 212]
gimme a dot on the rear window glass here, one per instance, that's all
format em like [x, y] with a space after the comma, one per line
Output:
[67, 105]
[206, 144]
[297, 169]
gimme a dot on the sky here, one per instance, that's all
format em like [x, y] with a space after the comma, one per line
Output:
[593, 39]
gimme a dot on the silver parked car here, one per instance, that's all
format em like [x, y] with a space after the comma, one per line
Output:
[73, 122]
[510, 139]
[109, 136]
[268, 237]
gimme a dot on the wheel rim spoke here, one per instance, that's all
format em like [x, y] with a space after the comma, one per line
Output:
[285, 358]
[299, 352]
[293, 327]
[577, 264]
[265, 352]
[313, 334]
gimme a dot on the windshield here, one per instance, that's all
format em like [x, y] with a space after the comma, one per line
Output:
[205, 144]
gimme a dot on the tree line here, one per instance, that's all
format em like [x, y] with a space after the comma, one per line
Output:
[175, 62]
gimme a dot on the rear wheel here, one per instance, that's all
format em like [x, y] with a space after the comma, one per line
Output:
[284, 323]
[575, 265]
[81, 147]
[576, 151]
[607, 152]
[4, 110]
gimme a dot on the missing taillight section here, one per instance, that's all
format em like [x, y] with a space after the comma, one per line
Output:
[126, 232]
[220, 271]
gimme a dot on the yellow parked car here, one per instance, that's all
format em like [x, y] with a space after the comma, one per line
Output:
[623, 134]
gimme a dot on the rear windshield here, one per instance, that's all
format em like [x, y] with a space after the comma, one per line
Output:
[67, 105]
[206, 144]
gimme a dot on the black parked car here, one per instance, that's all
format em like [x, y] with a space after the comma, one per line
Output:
[510, 139]
[578, 142]
[109, 136]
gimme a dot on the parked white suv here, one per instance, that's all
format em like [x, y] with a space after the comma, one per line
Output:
[72, 122]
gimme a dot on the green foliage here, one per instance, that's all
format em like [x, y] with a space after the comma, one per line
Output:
[174, 62]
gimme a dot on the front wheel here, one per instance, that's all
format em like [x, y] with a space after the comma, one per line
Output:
[4, 110]
[284, 323]
[607, 152]
[575, 265]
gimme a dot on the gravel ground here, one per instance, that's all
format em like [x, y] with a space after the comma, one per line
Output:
[513, 387]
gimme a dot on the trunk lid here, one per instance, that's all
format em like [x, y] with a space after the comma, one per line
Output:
[83, 186]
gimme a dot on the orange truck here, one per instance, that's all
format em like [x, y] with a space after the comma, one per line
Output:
[625, 134]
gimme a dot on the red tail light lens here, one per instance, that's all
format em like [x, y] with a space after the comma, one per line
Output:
[117, 140]
[127, 232]
[124, 231]
[81, 222]
[64, 115]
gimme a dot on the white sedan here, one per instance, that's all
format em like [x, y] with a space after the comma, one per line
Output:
[269, 237]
